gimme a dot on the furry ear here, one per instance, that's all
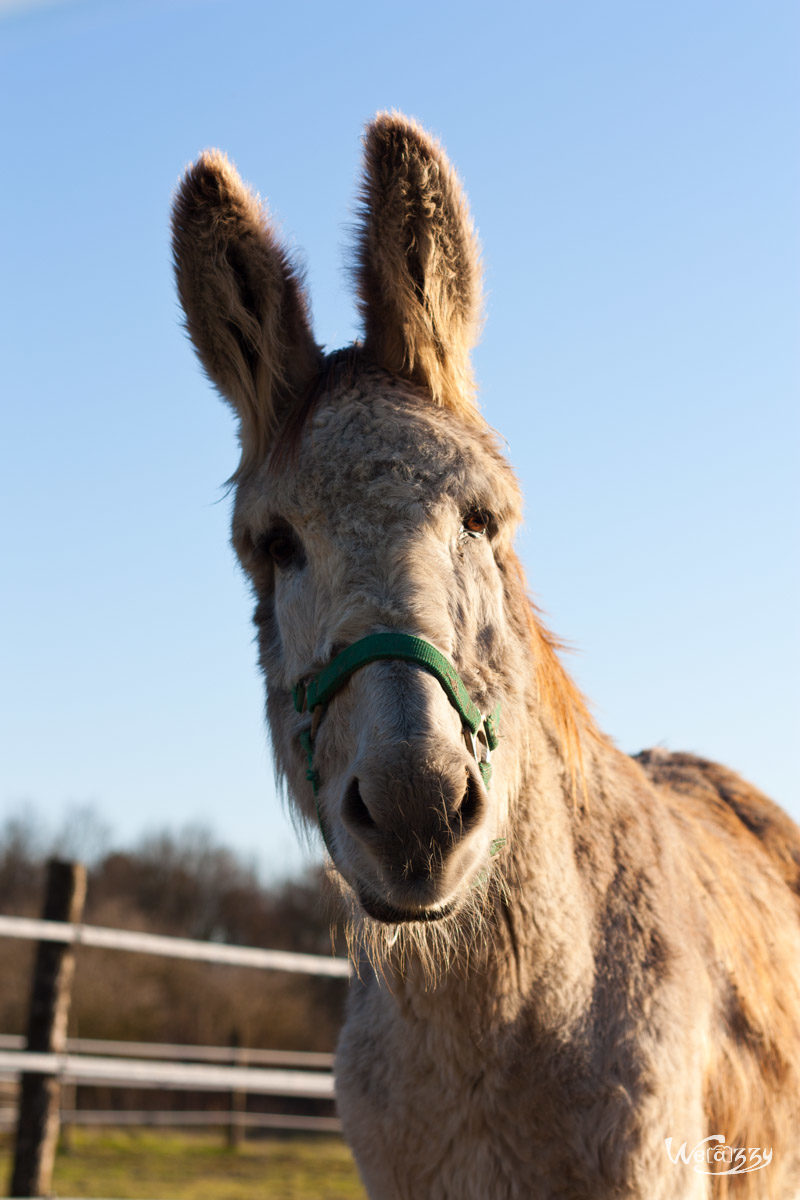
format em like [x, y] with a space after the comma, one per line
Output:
[418, 264]
[246, 310]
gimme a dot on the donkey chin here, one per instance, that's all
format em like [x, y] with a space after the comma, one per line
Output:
[414, 847]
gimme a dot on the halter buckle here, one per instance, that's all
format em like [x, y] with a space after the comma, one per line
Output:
[478, 744]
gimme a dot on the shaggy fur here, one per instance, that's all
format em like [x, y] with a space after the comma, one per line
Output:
[599, 954]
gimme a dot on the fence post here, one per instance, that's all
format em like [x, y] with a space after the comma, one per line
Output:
[237, 1103]
[51, 987]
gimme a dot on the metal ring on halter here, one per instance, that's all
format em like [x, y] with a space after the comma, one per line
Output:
[478, 745]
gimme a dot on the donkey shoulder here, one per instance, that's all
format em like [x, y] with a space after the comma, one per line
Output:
[720, 796]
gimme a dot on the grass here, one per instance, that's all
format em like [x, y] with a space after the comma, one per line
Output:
[159, 1165]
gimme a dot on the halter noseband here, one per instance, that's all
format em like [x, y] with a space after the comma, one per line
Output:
[313, 695]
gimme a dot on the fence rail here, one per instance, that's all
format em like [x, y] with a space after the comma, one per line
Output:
[30, 929]
[126, 1072]
[243, 1056]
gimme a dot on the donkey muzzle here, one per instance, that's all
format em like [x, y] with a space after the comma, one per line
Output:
[412, 800]
[412, 814]
[411, 819]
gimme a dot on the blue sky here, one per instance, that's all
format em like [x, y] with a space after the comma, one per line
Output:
[633, 172]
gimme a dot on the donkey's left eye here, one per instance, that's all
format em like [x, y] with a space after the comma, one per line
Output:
[476, 522]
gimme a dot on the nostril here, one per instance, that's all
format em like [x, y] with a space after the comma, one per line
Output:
[471, 804]
[354, 810]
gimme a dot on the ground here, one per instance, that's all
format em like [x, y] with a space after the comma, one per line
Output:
[155, 1165]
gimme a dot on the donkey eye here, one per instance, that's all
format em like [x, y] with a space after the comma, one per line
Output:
[476, 523]
[282, 547]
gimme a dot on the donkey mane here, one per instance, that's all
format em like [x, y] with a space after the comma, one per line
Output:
[557, 692]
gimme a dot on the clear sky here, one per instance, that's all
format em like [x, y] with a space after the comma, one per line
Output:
[633, 172]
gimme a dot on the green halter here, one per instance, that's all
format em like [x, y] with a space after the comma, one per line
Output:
[315, 693]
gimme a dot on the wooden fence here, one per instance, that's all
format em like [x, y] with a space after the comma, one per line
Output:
[45, 1059]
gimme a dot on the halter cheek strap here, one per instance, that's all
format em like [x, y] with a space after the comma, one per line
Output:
[313, 695]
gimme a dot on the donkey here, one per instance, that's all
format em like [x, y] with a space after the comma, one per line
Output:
[577, 973]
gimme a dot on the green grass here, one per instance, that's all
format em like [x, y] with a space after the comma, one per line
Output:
[160, 1165]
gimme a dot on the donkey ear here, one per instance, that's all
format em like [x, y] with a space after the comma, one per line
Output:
[418, 265]
[246, 310]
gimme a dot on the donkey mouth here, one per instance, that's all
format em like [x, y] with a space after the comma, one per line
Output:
[381, 910]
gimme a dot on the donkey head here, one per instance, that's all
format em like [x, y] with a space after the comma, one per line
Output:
[371, 500]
